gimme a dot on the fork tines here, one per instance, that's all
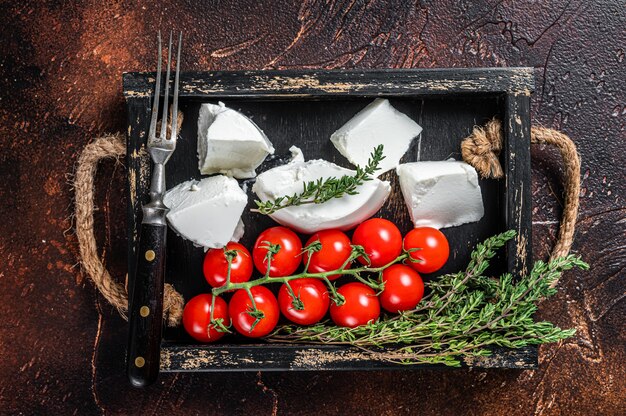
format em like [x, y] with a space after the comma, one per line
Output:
[152, 139]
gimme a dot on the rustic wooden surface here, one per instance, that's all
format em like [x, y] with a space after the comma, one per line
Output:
[62, 346]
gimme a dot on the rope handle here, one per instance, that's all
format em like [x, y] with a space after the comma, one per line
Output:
[108, 147]
[480, 149]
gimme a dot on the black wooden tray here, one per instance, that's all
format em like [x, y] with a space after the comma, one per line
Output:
[304, 108]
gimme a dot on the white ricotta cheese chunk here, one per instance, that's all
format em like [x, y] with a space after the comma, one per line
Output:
[378, 123]
[296, 154]
[229, 142]
[441, 194]
[343, 213]
[207, 212]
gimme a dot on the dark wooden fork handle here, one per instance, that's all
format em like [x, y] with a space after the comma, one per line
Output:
[146, 307]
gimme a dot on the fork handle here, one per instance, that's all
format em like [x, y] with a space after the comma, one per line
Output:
[146, 307]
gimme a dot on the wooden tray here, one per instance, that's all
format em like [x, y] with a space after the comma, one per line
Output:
[304, 108]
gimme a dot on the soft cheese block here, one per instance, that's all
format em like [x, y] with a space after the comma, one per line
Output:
[229, 142]
[441, 194]
[207, 212]
[378, 123]
[343, 213]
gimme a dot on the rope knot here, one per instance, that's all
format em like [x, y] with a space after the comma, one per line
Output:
[482, 147]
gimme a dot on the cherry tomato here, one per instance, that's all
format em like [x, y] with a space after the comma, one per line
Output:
[403, 288]
[287, 260]
[197, 317]
[336, 249]
[361, 305]
[240, 304]
[215, 265]
[433, 249]
[381, 240]
[313, 296]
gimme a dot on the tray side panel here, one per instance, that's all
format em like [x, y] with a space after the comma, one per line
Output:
[381, 82]
[516, 164]
[138, 181]
[279, 357]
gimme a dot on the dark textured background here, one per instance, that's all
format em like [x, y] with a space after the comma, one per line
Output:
[62, 347]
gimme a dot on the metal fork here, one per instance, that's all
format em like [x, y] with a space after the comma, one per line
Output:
[146, 300]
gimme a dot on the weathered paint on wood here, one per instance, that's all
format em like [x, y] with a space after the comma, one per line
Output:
[517, 192]
[291, 84]
[138, 109]
[289, 357]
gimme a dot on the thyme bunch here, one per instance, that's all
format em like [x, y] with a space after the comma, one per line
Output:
[323, 190]
[464, 315]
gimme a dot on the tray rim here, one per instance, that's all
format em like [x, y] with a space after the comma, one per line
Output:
[302, 83]
[516, 84]
[292, 357]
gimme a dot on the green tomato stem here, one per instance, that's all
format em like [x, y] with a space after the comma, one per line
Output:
[321, 275]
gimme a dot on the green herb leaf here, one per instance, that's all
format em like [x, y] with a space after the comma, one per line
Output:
[323, 190]
[465, 315]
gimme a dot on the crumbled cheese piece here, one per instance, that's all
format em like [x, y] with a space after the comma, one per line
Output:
[296, 154]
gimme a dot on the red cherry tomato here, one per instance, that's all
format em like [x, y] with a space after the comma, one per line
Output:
[381, 240]
[336, 249]
[403, 288]
[361, 306]
[313, 296]
[240, 304]
[215, 265]
[197, 317]
[287, 260]
[433, 249]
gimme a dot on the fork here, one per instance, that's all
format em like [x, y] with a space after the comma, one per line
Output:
[146, 300]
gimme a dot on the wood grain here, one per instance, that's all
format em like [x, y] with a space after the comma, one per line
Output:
[290, 85]
[60, 81]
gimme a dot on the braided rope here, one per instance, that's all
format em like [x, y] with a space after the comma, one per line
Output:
[482, 147]
[107, 147]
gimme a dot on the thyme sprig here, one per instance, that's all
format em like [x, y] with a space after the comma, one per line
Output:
[323, 190]
[465, 315]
